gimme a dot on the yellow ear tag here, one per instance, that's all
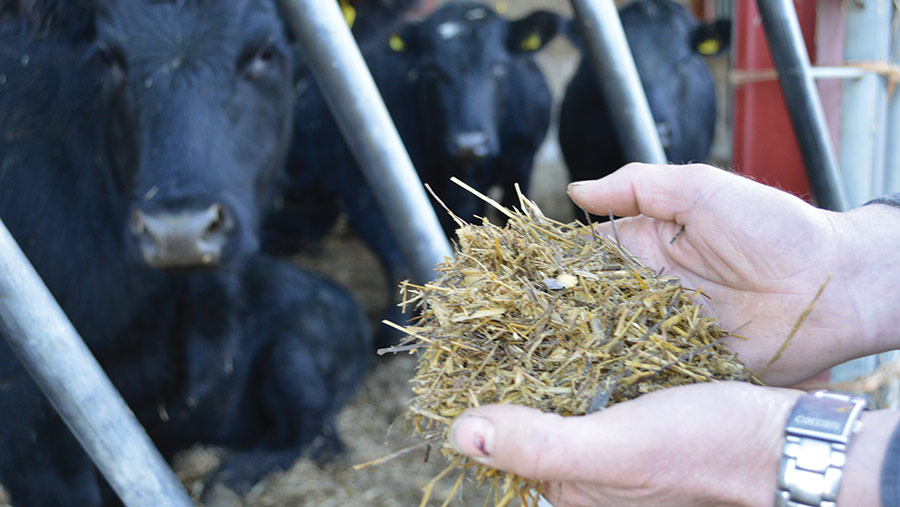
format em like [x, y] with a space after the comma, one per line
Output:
[709, 47]
[349, 13]
[397, 43]
[501, 7]
[532, 42]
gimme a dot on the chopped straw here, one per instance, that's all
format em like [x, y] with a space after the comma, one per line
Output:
[551, 316]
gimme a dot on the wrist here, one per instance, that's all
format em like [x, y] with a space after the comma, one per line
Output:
[814, 460]
[869, 274]
[865, 456]
[817, 433]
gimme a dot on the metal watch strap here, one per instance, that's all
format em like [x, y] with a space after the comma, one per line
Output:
[817, 433]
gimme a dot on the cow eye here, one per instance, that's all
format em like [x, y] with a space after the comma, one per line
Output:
[267, 53]
[257, 63]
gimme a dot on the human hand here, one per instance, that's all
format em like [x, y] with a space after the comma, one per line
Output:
[761, 255]
[702, 444]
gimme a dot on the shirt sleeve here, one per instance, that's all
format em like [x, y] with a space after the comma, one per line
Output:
[890, 199]
[890, 472]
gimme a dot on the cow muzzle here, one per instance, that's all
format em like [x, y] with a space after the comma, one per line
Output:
[182, 239]
[470, 146]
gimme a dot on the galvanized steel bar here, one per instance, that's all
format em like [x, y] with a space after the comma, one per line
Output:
[350, 91]
[617, 76]
[863, 112]
[802, 98]
[866, 151]
[892, 154]
[49, 347]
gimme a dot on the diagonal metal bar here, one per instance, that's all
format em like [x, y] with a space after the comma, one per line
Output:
[617, 76]
[50, 349]
[355, 102]
[802, 98]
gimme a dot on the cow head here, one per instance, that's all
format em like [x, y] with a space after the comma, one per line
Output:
[462, 56]
[200, 94]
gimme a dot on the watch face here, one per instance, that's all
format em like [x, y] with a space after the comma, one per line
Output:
[824, 417]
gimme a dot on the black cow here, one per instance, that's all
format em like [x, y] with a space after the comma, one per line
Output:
[62, 20]
[468, 100]
[134, 170]
[319, 163]
[480, 104]
[665, 40]
[322, 179]
[369, 19]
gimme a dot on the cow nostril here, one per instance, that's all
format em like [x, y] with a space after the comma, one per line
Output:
[221, 222]
[471, 144]
[137, 223]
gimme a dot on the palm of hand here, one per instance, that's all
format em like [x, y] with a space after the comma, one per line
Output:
[754, 269]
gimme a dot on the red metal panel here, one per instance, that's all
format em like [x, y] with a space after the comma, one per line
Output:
[702, 9]
[830, 51]
[764, 144]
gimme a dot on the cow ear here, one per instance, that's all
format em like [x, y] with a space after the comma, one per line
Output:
[532, 32]
[710, 39]
[403, 39]
[348, 11]
[397, 43]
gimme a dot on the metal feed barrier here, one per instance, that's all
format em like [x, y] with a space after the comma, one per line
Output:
[802, 98]
[50, 348]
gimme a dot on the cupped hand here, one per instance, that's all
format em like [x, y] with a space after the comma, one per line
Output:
[760, 255]
[703, 444]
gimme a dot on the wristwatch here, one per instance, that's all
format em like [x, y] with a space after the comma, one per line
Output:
[815, 448]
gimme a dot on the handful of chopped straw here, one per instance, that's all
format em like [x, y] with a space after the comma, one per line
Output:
[551, 316]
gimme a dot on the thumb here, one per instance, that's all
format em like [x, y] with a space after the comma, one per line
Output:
[528, 442]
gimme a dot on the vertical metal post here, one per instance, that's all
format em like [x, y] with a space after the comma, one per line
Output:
[354, 100]
[863, 100]
[617, 76]
[869, 159]
[802, 98]
[61, 364]
[892, 134]
[891, 394]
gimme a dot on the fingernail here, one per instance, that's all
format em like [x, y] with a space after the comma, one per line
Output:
[472, 435]
[575, 184]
